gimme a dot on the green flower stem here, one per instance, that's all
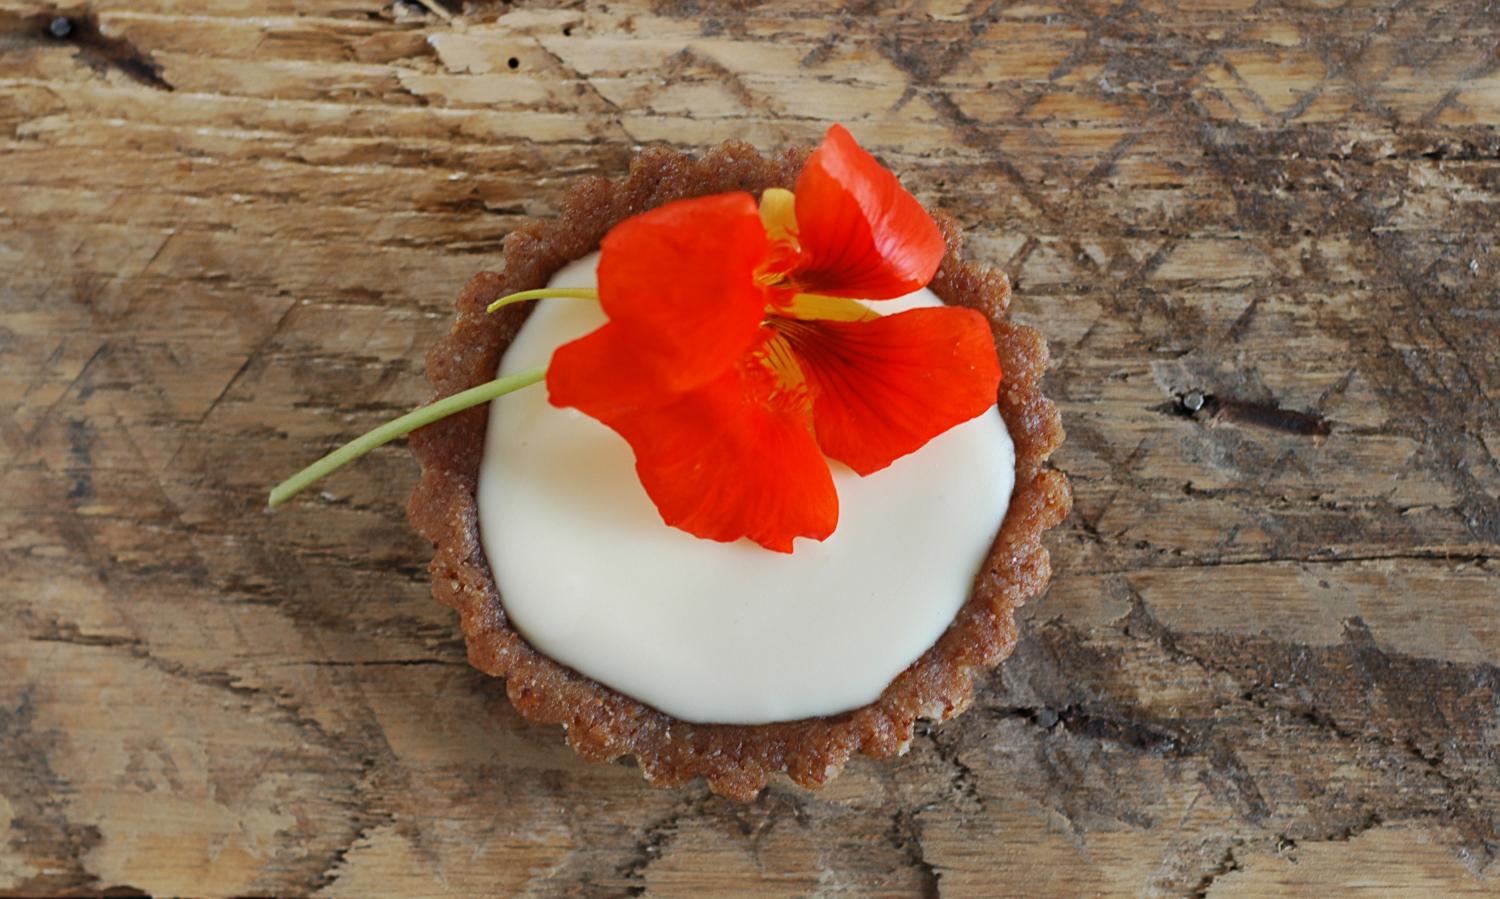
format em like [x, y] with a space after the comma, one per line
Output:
[575, 293]
[402, 426]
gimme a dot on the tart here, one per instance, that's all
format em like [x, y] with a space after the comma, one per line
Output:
[604, 724]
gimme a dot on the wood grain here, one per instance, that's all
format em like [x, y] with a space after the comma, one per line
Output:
[1261, 240]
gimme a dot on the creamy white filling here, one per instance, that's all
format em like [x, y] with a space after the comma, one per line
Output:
[713, 632]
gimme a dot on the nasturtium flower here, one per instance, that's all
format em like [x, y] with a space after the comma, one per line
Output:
[736, 359]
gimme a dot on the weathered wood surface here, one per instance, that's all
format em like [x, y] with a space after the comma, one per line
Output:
[229, 230]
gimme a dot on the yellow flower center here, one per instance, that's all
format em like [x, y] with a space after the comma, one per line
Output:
[778, 213]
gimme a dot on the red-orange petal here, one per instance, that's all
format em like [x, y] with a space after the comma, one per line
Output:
[599, 374]
[883, 387]
[723, 461]
[862, 235]
[679, 280]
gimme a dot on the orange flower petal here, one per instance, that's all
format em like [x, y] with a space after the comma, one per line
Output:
[679, 280]
[883, 387]
[600, 375]
[862, 235]
[729, 459]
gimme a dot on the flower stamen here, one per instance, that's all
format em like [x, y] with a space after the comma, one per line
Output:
[777, 356]
[817, 306]
[778, 213]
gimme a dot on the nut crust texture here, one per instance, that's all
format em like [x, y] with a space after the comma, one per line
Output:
[603, 724]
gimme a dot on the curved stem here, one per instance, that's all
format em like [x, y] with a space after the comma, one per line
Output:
[402, 426]
[542, 293]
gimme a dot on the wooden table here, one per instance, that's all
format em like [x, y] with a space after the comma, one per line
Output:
[1262, 242]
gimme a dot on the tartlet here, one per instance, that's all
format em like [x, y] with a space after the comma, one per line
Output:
[603, 724]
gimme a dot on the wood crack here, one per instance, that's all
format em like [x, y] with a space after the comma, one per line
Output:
[905, 835]
[80, 28]
[1462, 557]
[654, 839]
[1227, 864]
[1212, 409]
[964, 782]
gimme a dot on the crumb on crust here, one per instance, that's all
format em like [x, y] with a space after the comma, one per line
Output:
[603, 724]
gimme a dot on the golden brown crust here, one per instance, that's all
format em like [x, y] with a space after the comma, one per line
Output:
[603, 724]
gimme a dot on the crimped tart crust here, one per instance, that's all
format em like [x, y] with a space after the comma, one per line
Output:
[603, 724]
